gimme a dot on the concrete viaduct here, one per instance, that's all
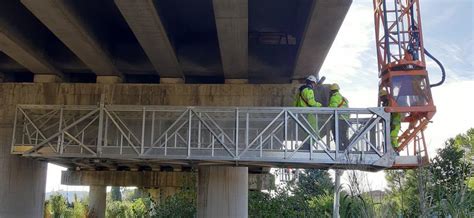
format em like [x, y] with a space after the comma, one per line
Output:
[153, 52]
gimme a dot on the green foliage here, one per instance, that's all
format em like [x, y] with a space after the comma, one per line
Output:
[182, 204]
[322, 205]
[79, 209]
[47, 209]
[439, 189]
[140, 208]
[313, 182]
[58, 205]
[450, 175]
[304, 197]
[115, 193]
[356, 206]
[118, 209]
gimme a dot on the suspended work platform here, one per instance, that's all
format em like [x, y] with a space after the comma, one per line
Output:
[152, 136]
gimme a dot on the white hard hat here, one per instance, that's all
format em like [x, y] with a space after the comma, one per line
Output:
[312, 78]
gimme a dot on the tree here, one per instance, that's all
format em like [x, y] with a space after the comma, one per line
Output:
[181, 204]
[450, 171]
[79, 208]
[139, 208]
[47, 209]
[118, 209]
[116, 195]
[306, 196]
[439, 189]
[58, 205]
[312, 183]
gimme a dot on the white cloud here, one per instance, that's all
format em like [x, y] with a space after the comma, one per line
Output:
[352, 55]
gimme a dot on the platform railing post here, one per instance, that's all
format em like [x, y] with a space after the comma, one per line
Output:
[14, 130]
[142, 146]
[236, 139]
[190, 117]
[336, 132]
[101, 125]
[60, 136]
[337, 193]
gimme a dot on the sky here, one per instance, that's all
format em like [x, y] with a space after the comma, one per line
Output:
[448, 29]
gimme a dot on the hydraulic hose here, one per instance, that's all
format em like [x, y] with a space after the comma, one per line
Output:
[443, 76]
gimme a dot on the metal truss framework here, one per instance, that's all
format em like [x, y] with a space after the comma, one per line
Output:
[249, 136]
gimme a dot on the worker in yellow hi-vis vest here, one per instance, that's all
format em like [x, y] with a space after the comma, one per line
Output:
[395, 120]
[338, 101]
[305, 98]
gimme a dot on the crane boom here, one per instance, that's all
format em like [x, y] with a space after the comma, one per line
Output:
[402, 70]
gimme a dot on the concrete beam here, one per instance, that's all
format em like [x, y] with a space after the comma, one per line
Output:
[145, 22]
[232, 30]
[22, 51]
[324, 20]
[171, 80]
[43, 78]
[236, 81]
[126, 178]
[62, 20]
[109, 79]
[150, 179]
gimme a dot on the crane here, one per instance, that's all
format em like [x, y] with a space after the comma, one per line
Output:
[402, 71]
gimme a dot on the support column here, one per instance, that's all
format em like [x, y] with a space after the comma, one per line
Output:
[22, 180]
[222, 191]
[337, 193]
[97, 198]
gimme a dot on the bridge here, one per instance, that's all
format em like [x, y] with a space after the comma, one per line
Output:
[159, 90]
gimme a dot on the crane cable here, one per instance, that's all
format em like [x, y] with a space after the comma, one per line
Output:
[443, 77]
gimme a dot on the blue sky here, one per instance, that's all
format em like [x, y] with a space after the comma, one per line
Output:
[448, 27]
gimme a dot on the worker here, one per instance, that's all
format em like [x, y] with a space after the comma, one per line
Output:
[395, 120]
[305, 98]
[338, 101]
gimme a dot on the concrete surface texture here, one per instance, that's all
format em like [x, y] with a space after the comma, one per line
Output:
[70, 28]
[201, 41]
[97, 200]
[222, 192]
[146, 24]
[150, 179]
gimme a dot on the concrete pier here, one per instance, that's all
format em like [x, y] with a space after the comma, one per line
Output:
[222, 191]
[97, 199]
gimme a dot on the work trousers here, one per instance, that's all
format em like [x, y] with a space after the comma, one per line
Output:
[343, 137]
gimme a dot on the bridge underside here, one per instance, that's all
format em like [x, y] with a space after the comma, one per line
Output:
[157, 41]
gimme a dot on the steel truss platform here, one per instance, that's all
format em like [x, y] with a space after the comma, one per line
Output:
[116, 135]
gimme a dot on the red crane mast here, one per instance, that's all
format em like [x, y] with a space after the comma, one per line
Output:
[402, 71]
